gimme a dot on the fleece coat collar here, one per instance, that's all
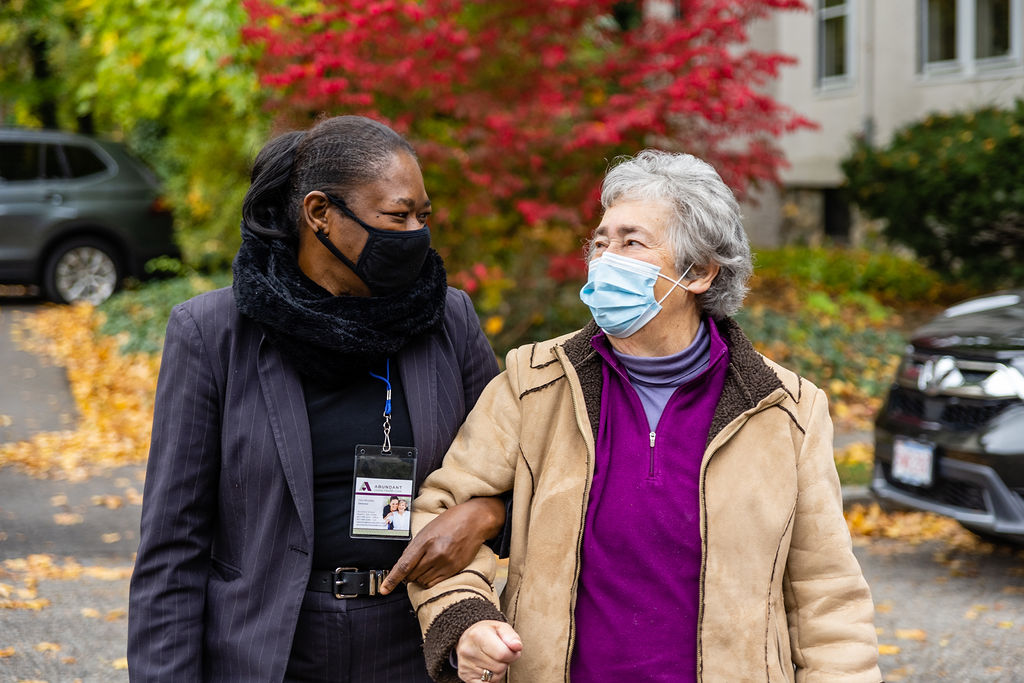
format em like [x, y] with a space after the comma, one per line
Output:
[747, 382]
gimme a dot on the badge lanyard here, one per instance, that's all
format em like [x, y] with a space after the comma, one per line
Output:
[384, 481]
[386, 448]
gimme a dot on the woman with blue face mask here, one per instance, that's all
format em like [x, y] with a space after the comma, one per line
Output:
[748, 575]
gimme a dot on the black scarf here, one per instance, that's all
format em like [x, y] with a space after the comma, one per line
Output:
[328, 337]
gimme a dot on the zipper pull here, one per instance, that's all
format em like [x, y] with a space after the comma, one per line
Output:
[652, 439]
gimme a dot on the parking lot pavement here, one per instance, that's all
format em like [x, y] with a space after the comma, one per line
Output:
[66, 552]
[947, 614]
[34, 396]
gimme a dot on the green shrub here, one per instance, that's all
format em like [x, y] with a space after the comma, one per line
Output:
[950, 187]
[138, 315]
[886, 277]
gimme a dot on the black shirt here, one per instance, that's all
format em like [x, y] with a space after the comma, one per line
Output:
[339, 418]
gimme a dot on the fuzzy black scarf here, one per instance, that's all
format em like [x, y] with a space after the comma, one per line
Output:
[327, 336]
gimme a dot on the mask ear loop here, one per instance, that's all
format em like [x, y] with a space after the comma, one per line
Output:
[675, 283]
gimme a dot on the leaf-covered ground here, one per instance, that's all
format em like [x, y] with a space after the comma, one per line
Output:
[113, 392]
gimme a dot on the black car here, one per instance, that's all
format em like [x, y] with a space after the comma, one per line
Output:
[950, 437]
[77, 214]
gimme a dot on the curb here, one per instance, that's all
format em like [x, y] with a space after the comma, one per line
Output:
[853, 495]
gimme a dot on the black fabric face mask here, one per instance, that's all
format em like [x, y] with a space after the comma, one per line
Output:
[390, 261]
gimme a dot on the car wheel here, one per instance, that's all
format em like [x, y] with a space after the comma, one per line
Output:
[82, 269]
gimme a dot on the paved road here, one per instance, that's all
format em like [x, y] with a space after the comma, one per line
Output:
[33, 394]
[70, 524]
[953, 615]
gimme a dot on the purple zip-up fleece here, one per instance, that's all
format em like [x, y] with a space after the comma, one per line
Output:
[636, 606]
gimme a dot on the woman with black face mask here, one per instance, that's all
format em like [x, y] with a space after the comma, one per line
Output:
[329, 379]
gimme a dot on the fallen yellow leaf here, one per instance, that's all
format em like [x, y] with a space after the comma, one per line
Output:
[911, 634]
[899, 674]
[67, 518]
[888, 649]
[6, 652]
[108, 573]
[120, 664]
[115, 614]
[1005, 624]
[856, 454]
[46, 647]
[58, 500]
[90, 612]
[111, 537]
[108, 501]
[975, 611]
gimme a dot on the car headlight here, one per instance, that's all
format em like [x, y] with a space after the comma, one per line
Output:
[909, 371]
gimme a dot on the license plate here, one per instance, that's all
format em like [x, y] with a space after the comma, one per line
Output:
[912, 462]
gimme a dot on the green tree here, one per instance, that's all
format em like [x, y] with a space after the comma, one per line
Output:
[170, 77]
[950, 187]
[37, 49]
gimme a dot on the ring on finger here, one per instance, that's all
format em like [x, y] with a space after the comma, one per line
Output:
[486, 675]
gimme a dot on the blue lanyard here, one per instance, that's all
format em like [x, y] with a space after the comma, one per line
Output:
[386, 448]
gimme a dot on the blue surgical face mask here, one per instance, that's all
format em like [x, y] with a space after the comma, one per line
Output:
[620, 293]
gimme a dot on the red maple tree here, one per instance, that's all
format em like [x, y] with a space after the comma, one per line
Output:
[516, 107]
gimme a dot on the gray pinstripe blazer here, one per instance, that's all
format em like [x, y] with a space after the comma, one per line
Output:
[227, 523]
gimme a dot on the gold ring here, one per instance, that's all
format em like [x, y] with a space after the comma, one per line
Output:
[486, 675]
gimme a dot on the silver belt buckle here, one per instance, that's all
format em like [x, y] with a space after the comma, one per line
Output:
[377, 577]
[336, 578]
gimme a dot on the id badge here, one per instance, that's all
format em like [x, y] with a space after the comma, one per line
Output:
[382, 492]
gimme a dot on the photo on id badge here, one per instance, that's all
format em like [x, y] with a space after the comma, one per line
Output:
[383, 492]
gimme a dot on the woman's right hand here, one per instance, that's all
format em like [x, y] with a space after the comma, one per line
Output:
[487, 646]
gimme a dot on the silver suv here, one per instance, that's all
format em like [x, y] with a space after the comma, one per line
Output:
[77, 214]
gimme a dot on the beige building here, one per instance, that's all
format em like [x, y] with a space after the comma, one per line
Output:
[866, 68]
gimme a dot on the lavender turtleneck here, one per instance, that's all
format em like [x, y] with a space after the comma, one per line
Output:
[656, 378]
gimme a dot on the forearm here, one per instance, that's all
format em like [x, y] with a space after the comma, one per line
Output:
[485, 516]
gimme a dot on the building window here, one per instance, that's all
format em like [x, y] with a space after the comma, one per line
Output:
[835, 43]
[967, 36]
[992, 29]
[940, 31]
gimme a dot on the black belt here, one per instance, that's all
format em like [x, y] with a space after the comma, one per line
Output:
[347, 582]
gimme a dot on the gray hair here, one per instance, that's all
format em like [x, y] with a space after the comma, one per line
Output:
[706, 227]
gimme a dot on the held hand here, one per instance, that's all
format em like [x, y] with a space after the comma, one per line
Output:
[487, 646]
[447, 544]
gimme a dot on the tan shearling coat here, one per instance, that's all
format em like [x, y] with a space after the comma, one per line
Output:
[782, 595]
